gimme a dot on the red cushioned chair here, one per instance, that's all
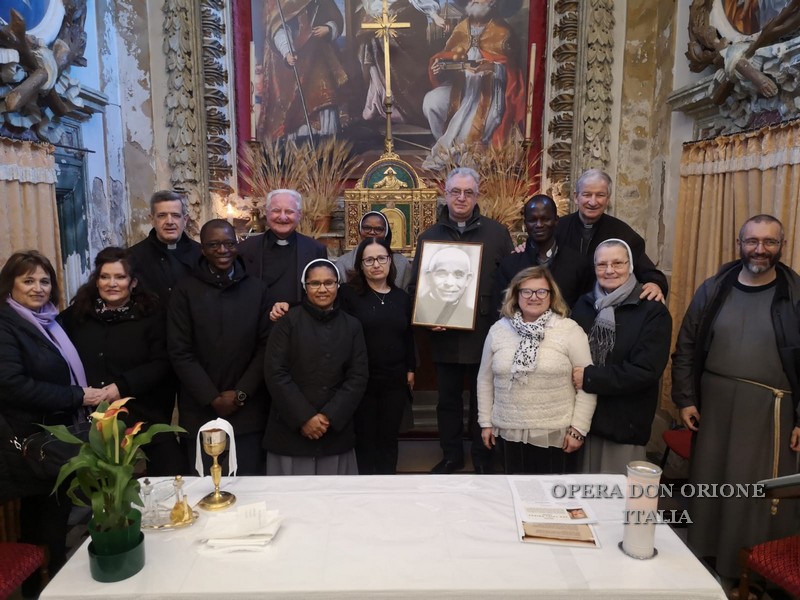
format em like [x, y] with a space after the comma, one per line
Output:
[679, 441]
[777, 561]
[17, 563]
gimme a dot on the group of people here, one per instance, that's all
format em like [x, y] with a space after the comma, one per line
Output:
[313, 362]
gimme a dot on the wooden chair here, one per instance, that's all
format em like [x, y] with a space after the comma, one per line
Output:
[778, 561]
[679, 441]
[17, 561]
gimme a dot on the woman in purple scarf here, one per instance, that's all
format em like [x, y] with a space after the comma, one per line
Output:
[41, 381]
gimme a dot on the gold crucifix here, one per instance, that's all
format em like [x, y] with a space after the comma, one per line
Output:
[385, 27]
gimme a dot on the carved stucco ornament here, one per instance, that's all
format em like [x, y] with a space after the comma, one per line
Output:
[757, 76]
[35, 86]
[199, 109]
[580, 98]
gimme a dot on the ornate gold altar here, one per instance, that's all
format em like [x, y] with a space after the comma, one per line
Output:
[391, 186]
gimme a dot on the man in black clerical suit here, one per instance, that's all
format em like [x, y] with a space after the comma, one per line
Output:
[279, 256]
[167, 254]
[572, 271]
[586, 228]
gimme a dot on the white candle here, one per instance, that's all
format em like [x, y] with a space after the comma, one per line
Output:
[230, 213]
[641, 506]
[531, 81]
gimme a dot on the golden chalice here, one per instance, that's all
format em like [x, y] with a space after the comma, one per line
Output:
[214, 443]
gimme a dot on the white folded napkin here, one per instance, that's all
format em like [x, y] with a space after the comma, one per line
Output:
[227, 428]
[248, 528]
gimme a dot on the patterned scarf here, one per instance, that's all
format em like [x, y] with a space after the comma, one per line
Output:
[604, 331]
[112, 313]
[527, 354]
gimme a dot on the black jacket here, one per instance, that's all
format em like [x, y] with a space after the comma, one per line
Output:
[131, 352]
[694, 337]
[627, 386]
[34, 378]
[217, 329]
[316, 362]
[462, 346]
[159, 269]
[572, 271]
[252, 252]
[569, 234]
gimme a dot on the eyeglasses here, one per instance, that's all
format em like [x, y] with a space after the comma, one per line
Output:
[227, 244]
[368, 229]
[381, 260]
[277, 212]
[752, 243]
[456, 192]
[315, 285]
[617, 265]
[528, 293]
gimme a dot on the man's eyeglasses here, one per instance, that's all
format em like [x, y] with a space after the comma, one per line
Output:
[369, 230]
[456, 193]
[315, 285]
[381, 260]
[752, 243]
[617, 265]
[227, 244]
[528, 293]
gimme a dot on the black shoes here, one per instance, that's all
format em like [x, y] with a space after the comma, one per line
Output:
[446, 467]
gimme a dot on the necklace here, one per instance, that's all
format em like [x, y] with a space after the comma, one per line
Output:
[379, 297]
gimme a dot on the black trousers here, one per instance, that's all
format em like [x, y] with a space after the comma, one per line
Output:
[526, 458]
[450, 379]
[44, 520]
[377, 424]
[166, 456]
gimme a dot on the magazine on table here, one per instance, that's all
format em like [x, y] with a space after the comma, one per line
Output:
[544, 519]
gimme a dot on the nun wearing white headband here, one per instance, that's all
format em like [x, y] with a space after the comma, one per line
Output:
[316, 370]
[375, 224]
[629, 339]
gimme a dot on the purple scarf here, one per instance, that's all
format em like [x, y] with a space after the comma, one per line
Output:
[45, 323]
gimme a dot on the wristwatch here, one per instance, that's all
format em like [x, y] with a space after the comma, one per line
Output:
[240, 397]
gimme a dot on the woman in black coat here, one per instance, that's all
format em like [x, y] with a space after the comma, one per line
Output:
[41, 381]
[316, 370]
[629, 339]
[384, 310]
[120, 333]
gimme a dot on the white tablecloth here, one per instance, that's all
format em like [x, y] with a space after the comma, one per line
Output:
[396, 537]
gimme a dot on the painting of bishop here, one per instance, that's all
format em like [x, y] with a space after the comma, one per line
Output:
[300, 45]
[479, 93]
[456, 73]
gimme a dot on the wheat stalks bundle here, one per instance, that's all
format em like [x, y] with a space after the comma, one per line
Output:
[506, 181]
[326, 168]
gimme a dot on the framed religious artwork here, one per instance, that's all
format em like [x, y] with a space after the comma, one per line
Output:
[447, 284]
[391, 186]
[458, 74]
[736, 19]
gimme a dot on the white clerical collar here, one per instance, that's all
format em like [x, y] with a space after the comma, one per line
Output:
[281, 242]
[172, 246]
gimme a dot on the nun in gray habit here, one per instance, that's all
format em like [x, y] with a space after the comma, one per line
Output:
[375, 224]
[316, 370]
[629, 338]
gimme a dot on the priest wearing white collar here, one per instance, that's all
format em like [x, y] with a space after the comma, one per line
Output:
[167, 254]
[278, 256]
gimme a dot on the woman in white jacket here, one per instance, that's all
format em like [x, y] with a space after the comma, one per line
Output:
[525, 392]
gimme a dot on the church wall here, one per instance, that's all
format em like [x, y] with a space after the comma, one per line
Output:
[133, 70]
[644, 123]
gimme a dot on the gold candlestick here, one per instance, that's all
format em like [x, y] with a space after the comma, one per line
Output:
[214, 443]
